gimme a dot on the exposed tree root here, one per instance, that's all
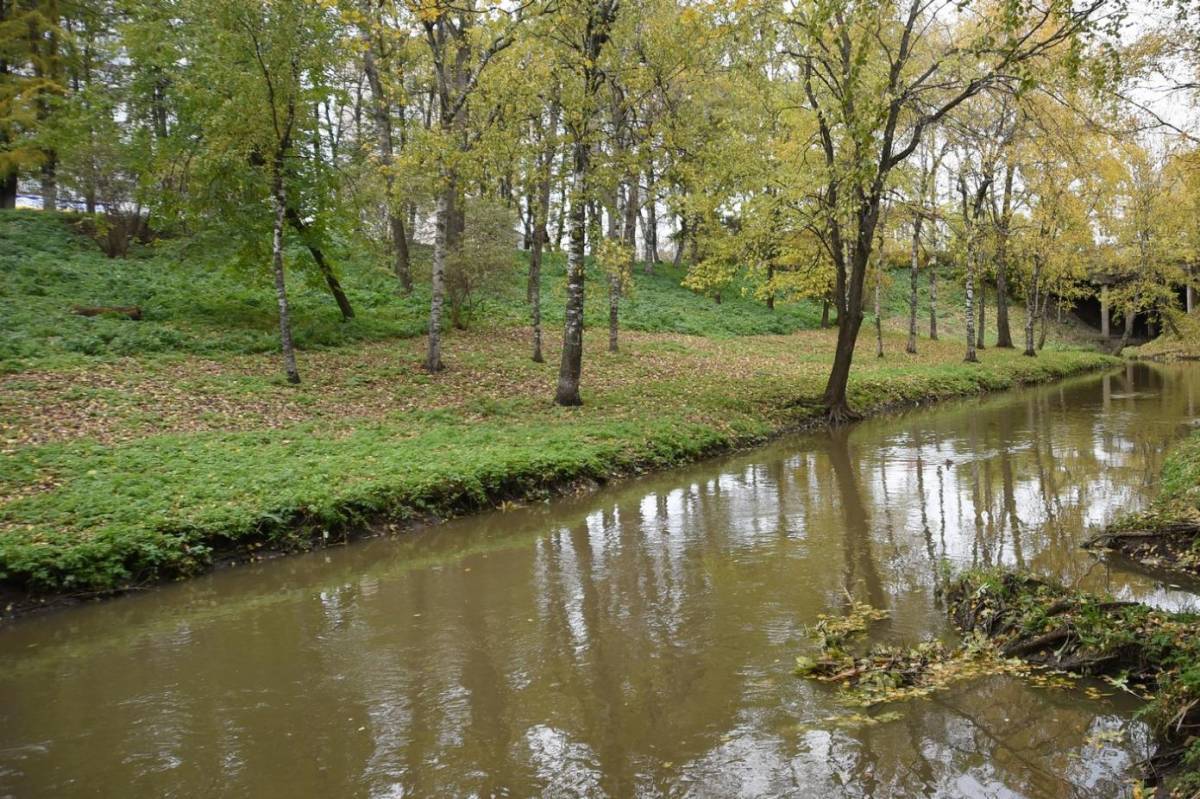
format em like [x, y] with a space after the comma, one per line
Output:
[1012, 622]
[1172, 547]
[1047, 625]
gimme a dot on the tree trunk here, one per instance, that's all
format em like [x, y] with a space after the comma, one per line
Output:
[1127, 333]
[913, 274]
[834, 399]
[9, 177]
[850, 276]
[624, 231]
[437, 282]
[50, 182]
[47, 65]
[981, 301]
[383, 121]
[970, 304]
[771, 286]
[650, 235]
[1043, 314]
[335, 287]
[878, 318]
[401, 262]
[933, 334]
[540, 232]
[285, 324]
[614, 303]
[632, 207]
[1031, 311]
[8, 189]
[560, 221]
[571, 367]
[824, 314]
[527, 223]
[535, 289]
[1003, 330]
[680, 240]
[1190, 300]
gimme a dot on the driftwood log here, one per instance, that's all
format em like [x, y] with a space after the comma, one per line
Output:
[133, 312]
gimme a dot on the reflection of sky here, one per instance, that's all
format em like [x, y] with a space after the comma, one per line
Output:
[635, 642]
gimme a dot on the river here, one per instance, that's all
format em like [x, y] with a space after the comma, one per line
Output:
[634, 641]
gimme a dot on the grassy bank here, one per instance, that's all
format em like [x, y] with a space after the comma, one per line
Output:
[120, 471]
[1180, 345]
[133, 473]
[200, 302]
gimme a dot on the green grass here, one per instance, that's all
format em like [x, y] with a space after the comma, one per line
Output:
[120, 473]
[86, 515]
[1180, 343]
[193, 305]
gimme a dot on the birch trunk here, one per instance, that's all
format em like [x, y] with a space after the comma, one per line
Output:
[913, 274]
[933, 264]
[541, 220]
[981, 301]
[285, 323]
[437, 281]
[571, 367]
[1003, 329]
[970, 305]
[1031, 311]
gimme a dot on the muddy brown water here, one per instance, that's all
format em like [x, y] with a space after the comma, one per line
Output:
[636, 641]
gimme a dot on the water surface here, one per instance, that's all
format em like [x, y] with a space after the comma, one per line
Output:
[634, 641]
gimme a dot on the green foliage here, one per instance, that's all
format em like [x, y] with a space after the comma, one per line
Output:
[192, 304]
[483, 261]
[84, 514]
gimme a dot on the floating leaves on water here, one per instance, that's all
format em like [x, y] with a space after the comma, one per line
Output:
[833, 631]
[1104, 738]
[1052, 680]
[888, 673]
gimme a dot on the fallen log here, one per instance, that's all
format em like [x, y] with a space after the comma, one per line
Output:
[133, 312]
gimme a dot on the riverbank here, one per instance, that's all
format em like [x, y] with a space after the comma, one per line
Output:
[125, 473]
[1013, 623]
[1166, 536]
[1181, 344]
[1149, 652]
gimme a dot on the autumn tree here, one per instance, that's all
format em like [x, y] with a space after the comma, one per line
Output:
[877, 76]
[583, 33]
[463, 39]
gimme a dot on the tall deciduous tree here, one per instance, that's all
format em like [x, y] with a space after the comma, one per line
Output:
[463, 38]
[877, 76]
[585, 30]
